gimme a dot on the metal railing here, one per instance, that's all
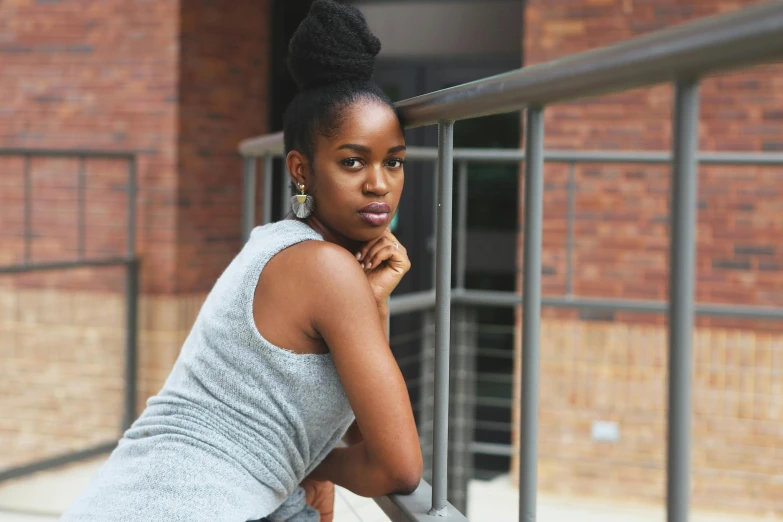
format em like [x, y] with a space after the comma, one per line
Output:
[129, 261]
[425, 301]
[682, 55]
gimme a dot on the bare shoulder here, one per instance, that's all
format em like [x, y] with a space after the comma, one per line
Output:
[316, 260]
[320, 267]
[304, 287]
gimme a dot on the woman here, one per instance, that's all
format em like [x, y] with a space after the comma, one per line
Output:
[289, 354]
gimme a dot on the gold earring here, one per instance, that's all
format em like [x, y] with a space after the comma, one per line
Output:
[301, 197]
[302, 204]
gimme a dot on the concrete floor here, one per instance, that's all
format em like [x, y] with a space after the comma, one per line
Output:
[44, 496]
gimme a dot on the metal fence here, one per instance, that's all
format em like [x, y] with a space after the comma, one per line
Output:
[682, 55]
[129, 261]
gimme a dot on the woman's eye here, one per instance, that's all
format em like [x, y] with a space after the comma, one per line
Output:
[351, 162]
[396, 163]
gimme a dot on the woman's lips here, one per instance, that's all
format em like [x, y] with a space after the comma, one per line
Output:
[376, 214]
[375, 218]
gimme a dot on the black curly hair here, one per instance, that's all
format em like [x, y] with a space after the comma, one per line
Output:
[331, 57]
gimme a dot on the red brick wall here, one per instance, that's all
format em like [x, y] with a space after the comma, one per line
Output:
[621, 225]
[180, 83]
[98, 75]
[224, 60]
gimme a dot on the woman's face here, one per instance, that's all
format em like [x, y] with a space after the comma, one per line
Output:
[357, 176]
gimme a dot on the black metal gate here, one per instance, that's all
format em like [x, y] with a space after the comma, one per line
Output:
[127, 260]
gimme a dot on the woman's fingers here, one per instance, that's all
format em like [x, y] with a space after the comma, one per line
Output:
[368, 259]
[394, 258]
[368, 254]
[361, 256]
[395, 251]
[380, 255]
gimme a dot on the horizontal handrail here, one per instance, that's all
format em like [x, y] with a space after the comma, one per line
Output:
[96, 450]
[260, 145]
[597, 156]
[405, 508]
[68, 265]
[69, 153]
[267, 145]
[412, 302]
[510, 299]
[420, 301]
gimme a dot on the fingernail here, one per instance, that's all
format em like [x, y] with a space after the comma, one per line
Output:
[362, 265]
[359, 256]
[369, 265]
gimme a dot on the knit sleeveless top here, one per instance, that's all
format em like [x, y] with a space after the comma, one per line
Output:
[238, 423]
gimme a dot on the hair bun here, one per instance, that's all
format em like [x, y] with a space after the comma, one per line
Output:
[333, 44]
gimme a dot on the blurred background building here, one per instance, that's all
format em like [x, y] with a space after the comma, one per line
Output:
[176, 85]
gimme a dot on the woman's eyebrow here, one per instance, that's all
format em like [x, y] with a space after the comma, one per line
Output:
[353, 146]
[368, 150]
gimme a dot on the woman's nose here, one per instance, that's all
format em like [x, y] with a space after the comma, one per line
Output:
[376, 183]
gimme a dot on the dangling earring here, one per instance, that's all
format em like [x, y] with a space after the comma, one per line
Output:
[302, 204]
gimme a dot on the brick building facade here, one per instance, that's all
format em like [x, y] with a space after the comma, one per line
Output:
[179, 84]
[612, 367]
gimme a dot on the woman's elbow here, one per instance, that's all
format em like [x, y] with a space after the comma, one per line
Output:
[406, 478]
[405, 485]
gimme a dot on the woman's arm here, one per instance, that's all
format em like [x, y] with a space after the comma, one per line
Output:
[344, 311]
[353, 435]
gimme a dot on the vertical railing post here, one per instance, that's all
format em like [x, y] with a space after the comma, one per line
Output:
[426, 399]
[682, 256]
[462, 223]
[285, 190]
[248, 196]
[435, 196]
[80, 197]
[131, 344]
[531, 312]
[131, 237]
[462, 404]
[28, 210]
[570, 230]
[267, 189]
[442, 316]
[132, 290]
[463, 355]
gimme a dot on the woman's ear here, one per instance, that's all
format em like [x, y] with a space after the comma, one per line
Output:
[298, 168]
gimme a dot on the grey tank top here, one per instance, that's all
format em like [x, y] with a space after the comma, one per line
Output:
[238, 423]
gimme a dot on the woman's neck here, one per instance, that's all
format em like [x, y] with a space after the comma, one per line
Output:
[332, 235]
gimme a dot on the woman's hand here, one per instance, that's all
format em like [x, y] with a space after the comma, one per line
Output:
[319, 494]
[384, 261]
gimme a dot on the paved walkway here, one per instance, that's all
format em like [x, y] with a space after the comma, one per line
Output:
[44, 496]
